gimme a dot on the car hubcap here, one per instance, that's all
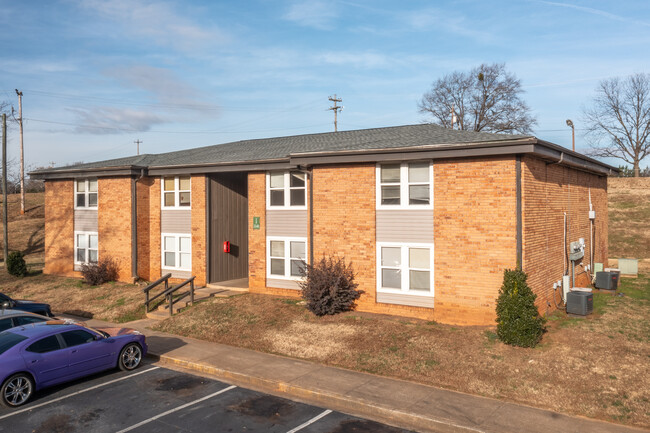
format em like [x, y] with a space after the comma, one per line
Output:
[131, 357]
[18, 391]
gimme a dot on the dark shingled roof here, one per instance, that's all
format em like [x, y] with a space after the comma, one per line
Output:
[280, 148]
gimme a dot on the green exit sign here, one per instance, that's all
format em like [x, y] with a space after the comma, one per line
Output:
[256, 223]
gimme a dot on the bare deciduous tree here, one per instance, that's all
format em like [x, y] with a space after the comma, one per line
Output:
[487, 98]
[618, 123]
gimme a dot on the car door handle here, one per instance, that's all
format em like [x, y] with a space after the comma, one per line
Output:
[34, 361]
[74, 351]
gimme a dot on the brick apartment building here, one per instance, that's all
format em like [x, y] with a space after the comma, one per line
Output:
[429, 217]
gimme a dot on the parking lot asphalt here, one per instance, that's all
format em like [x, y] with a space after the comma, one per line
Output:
[156, 399]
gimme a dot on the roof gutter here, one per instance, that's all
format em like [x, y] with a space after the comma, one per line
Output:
[62, 173]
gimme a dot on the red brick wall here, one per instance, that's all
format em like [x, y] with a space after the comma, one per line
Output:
[474, 236]
[144, 222]
[114, 222]
[548, 191]
[199, 241]
[59, 227]
[257, 238]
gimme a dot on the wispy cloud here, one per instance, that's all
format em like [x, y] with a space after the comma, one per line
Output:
[355, 59]
[317, 14]
[112, 120]
[159, 22]
[169, 90]
[450, 22]
[598, 12]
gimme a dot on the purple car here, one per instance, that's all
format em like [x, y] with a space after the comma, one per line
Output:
[43, 354]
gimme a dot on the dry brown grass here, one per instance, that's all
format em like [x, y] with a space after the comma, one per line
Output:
[117, 302]
[597, 367]
[629, 218]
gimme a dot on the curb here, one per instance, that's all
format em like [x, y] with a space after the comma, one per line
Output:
[334, 401]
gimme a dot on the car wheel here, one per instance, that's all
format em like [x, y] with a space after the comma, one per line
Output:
[130, 357]
[17, 390]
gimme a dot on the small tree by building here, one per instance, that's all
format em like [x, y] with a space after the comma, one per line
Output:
[518, 321]
[329, 286]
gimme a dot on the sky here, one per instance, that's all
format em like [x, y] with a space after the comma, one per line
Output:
[98, 75]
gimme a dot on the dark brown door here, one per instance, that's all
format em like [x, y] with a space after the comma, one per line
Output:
[228, 222]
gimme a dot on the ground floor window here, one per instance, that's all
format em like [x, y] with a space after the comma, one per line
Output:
[177, 251]
[405, 268]
[286, 257]
[85, 247]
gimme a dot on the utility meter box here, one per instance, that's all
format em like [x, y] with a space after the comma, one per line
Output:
[580, 303]
[576, 251]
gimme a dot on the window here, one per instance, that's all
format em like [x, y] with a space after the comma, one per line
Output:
[286, 257]
[77, 337]
[6, 324]
[286, 189]
[85, 247]
[85, 191]
[177, 251]
[405, 268]
[9, 340]
[26, 320]
[47, 344]
[405, 185]
[176, 192]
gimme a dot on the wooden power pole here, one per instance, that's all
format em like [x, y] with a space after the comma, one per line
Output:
[4, 187]
[336, 109]
[22, 153]
[137, 142]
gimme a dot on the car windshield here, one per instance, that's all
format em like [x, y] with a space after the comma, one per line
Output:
[9, 340]
[4, 298]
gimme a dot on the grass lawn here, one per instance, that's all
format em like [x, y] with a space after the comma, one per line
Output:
[116, 302]
[597, 367]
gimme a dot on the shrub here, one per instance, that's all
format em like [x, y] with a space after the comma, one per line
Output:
[518, 321]
[99, 273]
[329, 287]
[16, 264]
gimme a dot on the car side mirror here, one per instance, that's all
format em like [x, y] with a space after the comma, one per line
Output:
[6, 305]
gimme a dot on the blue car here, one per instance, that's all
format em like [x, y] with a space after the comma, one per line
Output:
[43, 354]
[30, 306]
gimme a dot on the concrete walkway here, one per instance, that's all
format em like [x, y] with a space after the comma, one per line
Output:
[397, 402]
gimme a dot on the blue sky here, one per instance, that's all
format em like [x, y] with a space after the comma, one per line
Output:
[97, 75]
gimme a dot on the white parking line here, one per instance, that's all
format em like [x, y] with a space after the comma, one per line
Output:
[311, 421]
[153, 418]
[76, 393]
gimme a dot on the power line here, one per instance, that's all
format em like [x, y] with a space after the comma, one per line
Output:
[110, 128]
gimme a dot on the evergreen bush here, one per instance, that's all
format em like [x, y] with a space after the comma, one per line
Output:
[99, 273]
[16, 264]
[518, 321]
[329, 287]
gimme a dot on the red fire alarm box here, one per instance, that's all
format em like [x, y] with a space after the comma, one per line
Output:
[226, 247]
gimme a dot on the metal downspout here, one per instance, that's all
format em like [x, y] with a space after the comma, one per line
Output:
[519, 215]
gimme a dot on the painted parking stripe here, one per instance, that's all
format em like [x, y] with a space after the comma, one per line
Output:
[153, 418]
[76, 393]
[311, 421]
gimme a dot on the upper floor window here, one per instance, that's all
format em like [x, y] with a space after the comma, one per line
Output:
[286, 189]
[405, 185]
[176, 192]
[85, 191]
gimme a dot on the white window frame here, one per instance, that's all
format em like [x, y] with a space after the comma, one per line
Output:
[76, 246]
[404, 186]
[287, 190]
[86, 193]
[404, 268]
[176, 191]
[287, 257]
[177, 251]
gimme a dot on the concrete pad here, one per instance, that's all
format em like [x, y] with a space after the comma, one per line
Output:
[453, 405]
[279, 369]
[332, 380]
[396, 394]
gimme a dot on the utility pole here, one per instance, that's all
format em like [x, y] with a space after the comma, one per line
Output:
[453, 115]
[22, 154]
[4, 188]
[137, 142]
[336, 109]
[569, 123]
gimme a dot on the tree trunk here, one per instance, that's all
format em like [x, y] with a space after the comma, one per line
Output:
[636, 168]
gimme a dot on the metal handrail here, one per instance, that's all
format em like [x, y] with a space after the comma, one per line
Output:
[147, 301]
[170, 298]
